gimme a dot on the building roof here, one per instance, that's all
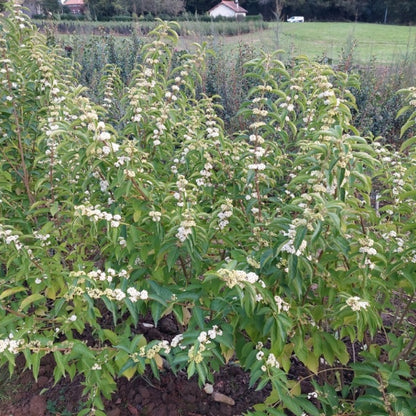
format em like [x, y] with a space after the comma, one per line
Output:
[235, 7]
[74, 3]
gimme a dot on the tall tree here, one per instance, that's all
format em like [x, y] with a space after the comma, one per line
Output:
[51, 6]
[272, 9]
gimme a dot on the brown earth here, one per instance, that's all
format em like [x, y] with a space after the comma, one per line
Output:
[172, 395]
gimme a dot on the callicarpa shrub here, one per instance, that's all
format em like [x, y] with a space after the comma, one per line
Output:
[290, 242]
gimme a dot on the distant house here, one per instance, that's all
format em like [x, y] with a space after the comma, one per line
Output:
[75, 6]
[228, 9]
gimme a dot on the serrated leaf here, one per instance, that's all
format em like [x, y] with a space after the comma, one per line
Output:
[365, 380]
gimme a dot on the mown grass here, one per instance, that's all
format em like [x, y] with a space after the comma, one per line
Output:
[330, 40]
[387, 44]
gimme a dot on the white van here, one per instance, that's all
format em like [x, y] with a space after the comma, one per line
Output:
[296, 19]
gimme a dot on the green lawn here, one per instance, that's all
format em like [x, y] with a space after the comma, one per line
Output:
[386, 43]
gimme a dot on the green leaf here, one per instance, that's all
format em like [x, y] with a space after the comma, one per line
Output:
[308, 406]
[128, 370]
[365, 380]
[60, 361]
[400, 384]
[292, 405]
[111, 336]
[9, 292]
[54, 208]
[156, 311]
[311, 361]
[191, 369]
[369, 402]
[29, 300]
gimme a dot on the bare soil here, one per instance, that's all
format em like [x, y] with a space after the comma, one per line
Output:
[172, 395]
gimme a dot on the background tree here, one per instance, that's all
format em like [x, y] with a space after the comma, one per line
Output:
[271, 8]
[51, 6]
[158, 7]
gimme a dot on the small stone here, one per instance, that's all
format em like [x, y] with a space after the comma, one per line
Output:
[222, 398]
[209, 388]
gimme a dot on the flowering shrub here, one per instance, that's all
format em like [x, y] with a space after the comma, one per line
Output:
[291, 241]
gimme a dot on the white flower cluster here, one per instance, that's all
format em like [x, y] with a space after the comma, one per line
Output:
[326, 95]
[204, 338]
[96, 366]
[103, 137]
[253, 262]
[113, 294]
[109, 100]
[257, 166]
[237, 277]
[260, 112]
[270, 362]
[20, 16]
[289, 246]
[288, 105]
[100, 275]
[9, 237]
[176, 340]
[206, 174]
[212, 130]
[185, 229]
[158, 132]
[150, 352]
[44, 238]
[135, 295]
[155, 215]
[225, 213]
[281, 304]
[207, 336]
[10, 344]
[251, 192]
[356, 304]
[367, 246]
[38, 280]
[121, 160]
[180, 196]
[95, 214]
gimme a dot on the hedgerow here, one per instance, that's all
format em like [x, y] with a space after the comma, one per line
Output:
[291, 241]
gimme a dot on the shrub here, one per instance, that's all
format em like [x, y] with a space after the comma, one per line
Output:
[72, 16]
[267, 247]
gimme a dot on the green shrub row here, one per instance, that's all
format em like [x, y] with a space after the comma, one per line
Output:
[376, 98]
[202, 28]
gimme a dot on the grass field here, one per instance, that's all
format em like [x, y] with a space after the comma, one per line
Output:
[387, 44]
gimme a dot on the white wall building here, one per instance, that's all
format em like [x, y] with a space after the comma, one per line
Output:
[228, 9]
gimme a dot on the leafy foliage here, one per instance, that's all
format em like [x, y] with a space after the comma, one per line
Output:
[290, 240]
